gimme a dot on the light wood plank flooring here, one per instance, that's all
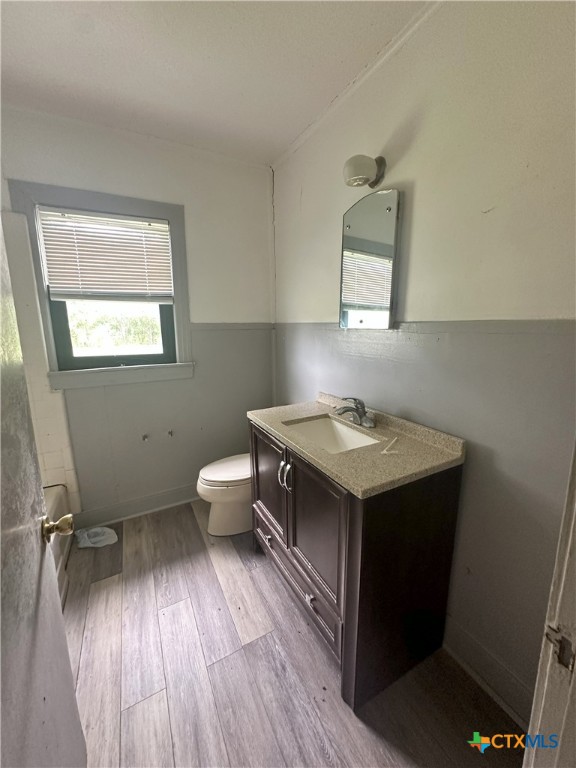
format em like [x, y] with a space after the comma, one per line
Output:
[189, 650]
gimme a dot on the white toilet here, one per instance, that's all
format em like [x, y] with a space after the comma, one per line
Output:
[226, 484]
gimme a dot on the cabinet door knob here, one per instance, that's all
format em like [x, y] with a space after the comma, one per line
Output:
[309, 599]
[280, 468]
[268, 539]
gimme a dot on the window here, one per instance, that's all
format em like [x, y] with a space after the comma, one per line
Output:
[110, 289]
[366, 289]
[112, 281]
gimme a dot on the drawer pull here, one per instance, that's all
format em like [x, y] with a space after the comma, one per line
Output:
[309, 599]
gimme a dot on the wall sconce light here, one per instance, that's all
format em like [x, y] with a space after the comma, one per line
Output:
[361, 169]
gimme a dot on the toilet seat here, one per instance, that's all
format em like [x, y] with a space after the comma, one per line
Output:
[226, 473]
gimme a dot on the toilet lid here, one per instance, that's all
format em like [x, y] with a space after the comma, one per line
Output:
[235, 470]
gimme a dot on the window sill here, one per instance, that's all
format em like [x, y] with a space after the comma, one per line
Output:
[130, 374]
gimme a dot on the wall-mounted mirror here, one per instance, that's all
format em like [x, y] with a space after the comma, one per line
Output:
[369, 261]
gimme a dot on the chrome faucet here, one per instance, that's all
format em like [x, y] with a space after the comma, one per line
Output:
[358, 412]
[351, 410]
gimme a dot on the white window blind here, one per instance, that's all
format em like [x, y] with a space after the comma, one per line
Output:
[366, 280]
[88, 254]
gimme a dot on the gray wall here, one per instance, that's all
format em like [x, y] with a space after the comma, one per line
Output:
[508, 388]
[120, 474]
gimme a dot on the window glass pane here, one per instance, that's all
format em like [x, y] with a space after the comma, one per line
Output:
[103, 328]
[361, 318]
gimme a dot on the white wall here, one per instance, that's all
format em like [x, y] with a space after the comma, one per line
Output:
[475, 116]
[47, 407]
[227, 204]
[228, 236]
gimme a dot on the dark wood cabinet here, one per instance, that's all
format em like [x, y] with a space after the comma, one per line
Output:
[299, 520]
[372, 574]
[268, 495]
[317, 513]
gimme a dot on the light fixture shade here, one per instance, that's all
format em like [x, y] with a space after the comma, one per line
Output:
[361, 169]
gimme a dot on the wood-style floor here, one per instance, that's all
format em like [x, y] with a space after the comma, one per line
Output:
[188, 650]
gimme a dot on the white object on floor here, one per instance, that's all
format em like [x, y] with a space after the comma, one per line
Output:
[95, 537]
[227, 485]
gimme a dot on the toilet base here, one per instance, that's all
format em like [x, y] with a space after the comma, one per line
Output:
[229, 519]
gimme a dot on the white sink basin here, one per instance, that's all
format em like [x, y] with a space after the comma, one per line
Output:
[331, 435]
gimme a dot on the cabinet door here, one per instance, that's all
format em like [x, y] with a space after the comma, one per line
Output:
[269, 497]
[318, 508]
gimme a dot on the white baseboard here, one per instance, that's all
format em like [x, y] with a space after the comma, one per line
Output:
[490, 672]
[136, 507]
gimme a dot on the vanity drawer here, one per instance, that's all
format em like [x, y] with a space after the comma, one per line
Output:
[324, 618]
[267, 535]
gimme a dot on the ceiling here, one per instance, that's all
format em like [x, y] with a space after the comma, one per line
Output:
[240, 78]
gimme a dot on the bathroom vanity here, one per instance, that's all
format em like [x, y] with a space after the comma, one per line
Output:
[363, 535]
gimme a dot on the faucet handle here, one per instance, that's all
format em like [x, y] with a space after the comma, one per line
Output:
[359, 404]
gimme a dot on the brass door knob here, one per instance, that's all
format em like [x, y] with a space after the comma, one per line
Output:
[63, 527]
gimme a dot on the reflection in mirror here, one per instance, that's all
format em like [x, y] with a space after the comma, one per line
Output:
[369, 261]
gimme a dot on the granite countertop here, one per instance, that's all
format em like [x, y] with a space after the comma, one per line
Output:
[416, 452]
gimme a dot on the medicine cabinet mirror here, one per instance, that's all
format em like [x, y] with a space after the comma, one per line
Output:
[369, 261]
